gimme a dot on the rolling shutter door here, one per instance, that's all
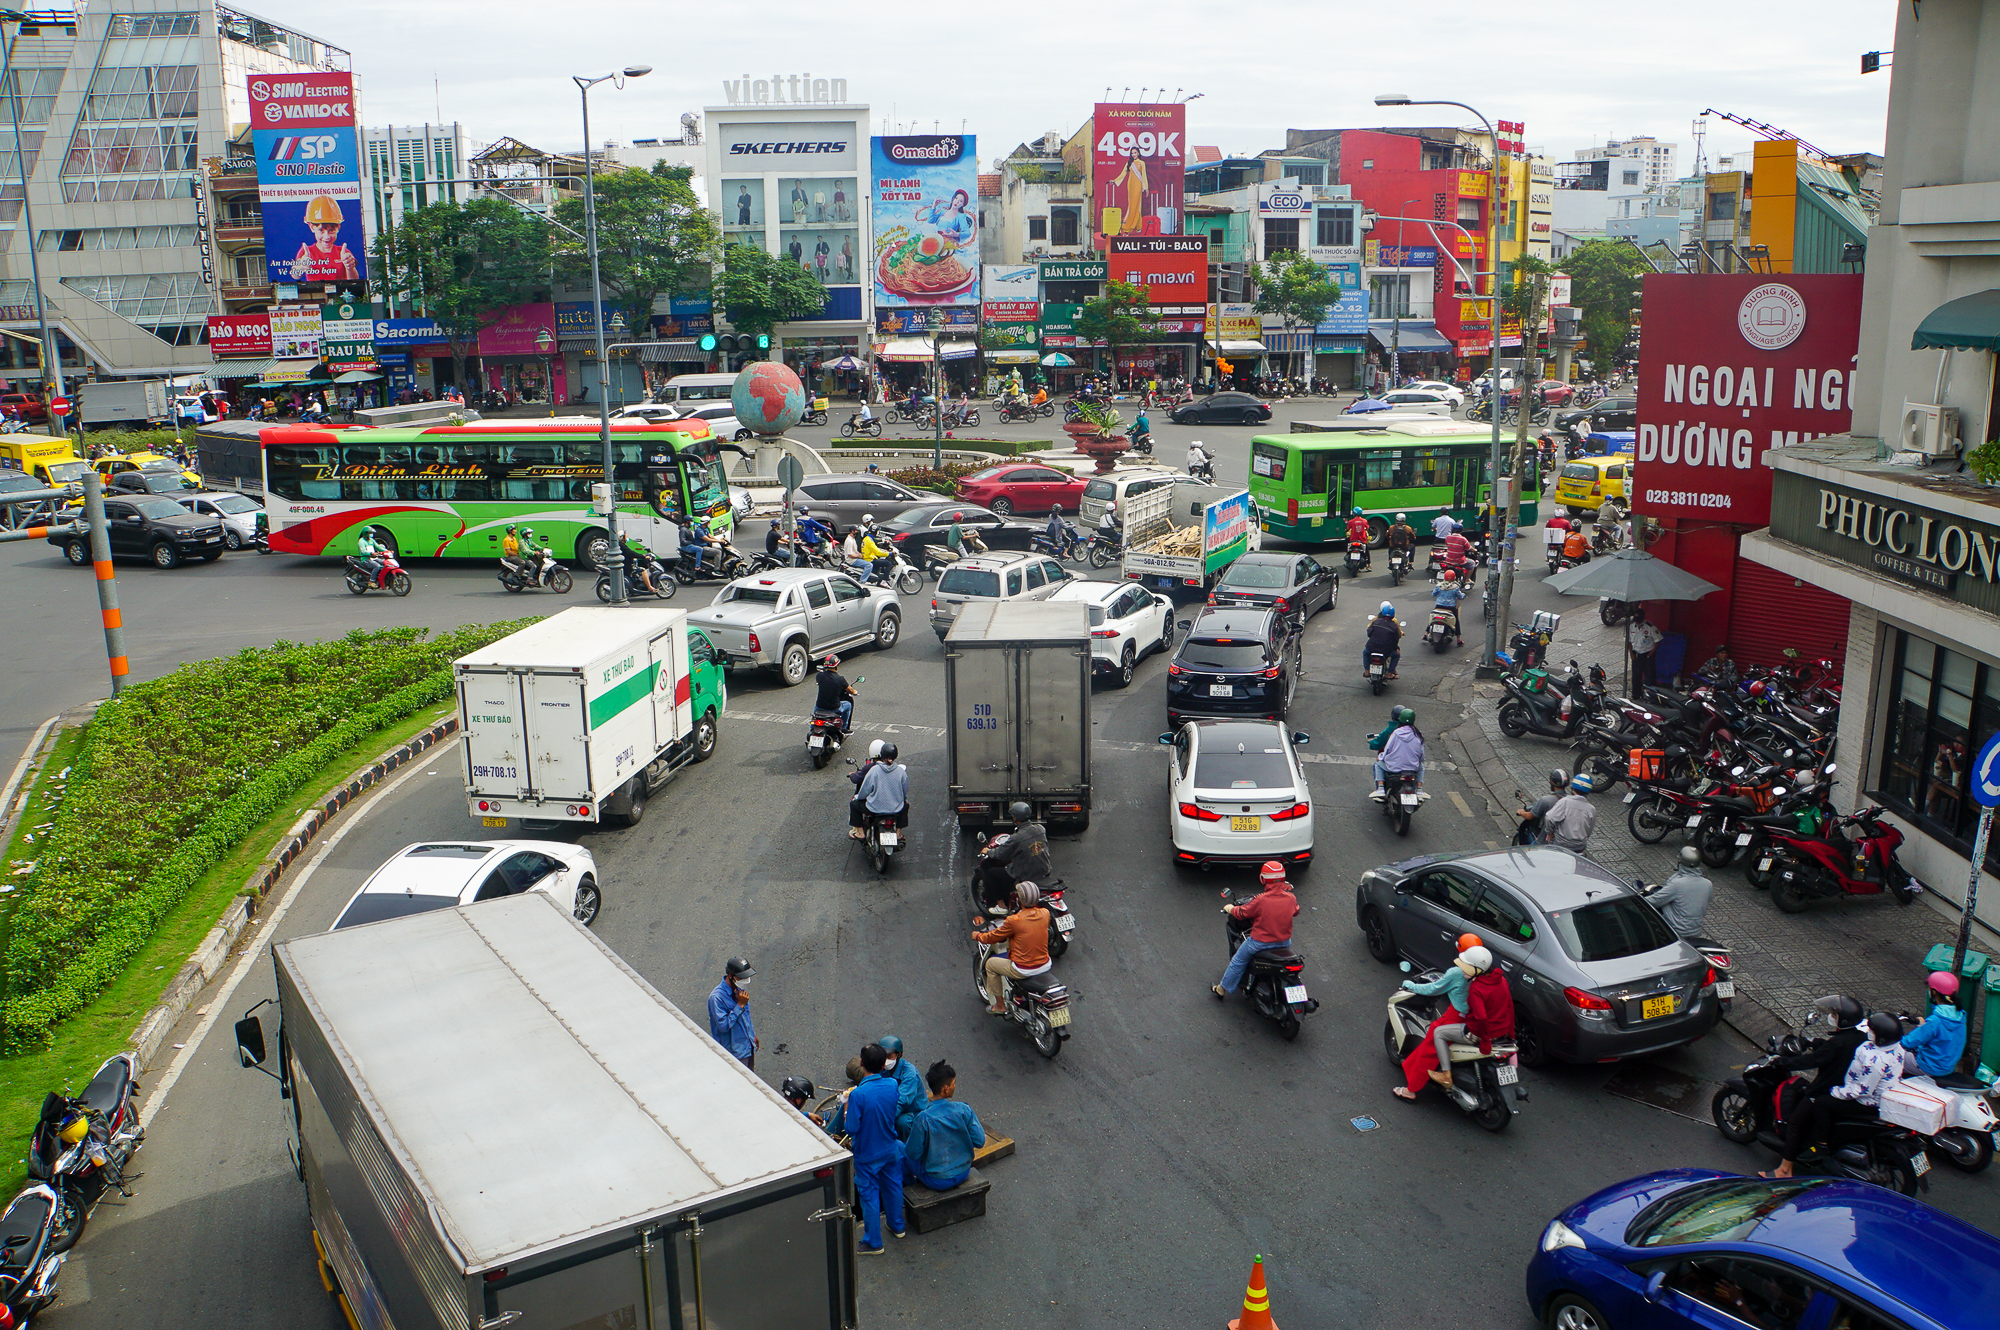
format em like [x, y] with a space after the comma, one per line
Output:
[1767, 614]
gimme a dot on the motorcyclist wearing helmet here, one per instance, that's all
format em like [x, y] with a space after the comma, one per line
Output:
[1828, 1058]
[1359, 534]
[1198, 457]
[884, 791]
[1058, 533]
[1384, 635]
[1270, 914]
[1538, 811]
[1576, 546]
[510, 551]
[1458, 554]
[532, 548]
[729, 1012]
[1402, 750]
[639, 563]
[1445, 597]
[1568, 824]
[1022, 857]
[1935, 1047]
[1401, 535]
[1875, 1065]
[1682, 899]
[809, 537]
[1489, 1011]
[958, 540]
[1026, 933]
[835, 693]
[909, 1085]
[373, 544]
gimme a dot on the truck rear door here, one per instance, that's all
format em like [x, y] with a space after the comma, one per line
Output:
[558, 743]
[673, 690]
[983, 720]
[1055, 687]
[491, 712]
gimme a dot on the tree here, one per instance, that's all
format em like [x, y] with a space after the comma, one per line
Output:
[1120, 317]
[654, 239]
[460, 263]
[1605, 286]
[1297, 290]
[761, 290]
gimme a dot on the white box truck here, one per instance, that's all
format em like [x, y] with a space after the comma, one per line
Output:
[1017, 712]
[1169, 551]
[123, 401]
[498, 1123]
[581, 717]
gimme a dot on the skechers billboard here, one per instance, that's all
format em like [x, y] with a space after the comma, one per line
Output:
[308, 177]
[926, 195]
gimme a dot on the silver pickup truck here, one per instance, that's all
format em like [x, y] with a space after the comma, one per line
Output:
[786, 618]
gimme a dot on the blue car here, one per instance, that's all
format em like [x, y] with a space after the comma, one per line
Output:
[1691, 1247]
[1609, 441]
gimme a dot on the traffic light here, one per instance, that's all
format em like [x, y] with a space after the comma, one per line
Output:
[707, 342]
[763, 341]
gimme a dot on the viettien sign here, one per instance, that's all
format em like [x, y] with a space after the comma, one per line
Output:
[1735, 365]
[785, 90]
[1948, 553]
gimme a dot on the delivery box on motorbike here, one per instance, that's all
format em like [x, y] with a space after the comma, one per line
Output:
[1920, 1108]
[1646, 763]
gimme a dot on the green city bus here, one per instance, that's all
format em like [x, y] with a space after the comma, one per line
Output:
[1306, 484]
[451, 491]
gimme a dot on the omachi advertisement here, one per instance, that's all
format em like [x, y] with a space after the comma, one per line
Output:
[1138, 160]
[308, 176]
[1735, 365]
[926, 189]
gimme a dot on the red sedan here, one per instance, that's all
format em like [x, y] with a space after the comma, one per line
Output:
[1022, 487]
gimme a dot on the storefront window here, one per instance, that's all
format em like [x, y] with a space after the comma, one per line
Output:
[1943, 706]
[826, 254]
[817, 201]
[742, 204]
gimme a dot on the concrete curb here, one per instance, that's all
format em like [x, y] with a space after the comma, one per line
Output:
[208, 958]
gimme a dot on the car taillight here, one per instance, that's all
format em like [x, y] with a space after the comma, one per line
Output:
[1583, 1001]
[1708, 980]
[1104, 632]
[755, 645]
[1273, 672]
[1175, 669]
[1287, 814]
[1199, 814]
[1281, 605]
[900, 537]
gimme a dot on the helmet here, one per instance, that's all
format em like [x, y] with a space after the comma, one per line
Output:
[510, 530]
[1943, 983]
[958, 517]
[75, 1127]
[738, 968]
[803, 511]
[1402, 517]
[1450, 575]
[875, 748]
[1690, 856]
[1055, 510]
[1020, 811]
[868, 519]
[1026, 895]
[796, 1088]
[891, 1045]
[1388, 610]
[1884, 1029]
[1479, 958]
[1354, 511]
[1467, 941]
[1757, 689]
[322, 211]
[1402, 715]
[1844, 1010]
[832, 662]
[888, 753]
[1557, 778]
[527, 531]
[1272, 871]
[1581, 785]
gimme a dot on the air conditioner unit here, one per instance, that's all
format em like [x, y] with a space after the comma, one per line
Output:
[1929, 429]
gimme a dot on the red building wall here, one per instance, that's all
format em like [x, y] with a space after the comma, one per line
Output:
[1389, 187]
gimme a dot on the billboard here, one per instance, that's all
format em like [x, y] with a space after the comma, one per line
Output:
[308, 176]
[1009, 281]
[926, 220]
[1735, 365]
[1138, 157]
[347, 337]
[515, 330]
[239, 334]
[1173, 272]
[408, 332]
[295, 331]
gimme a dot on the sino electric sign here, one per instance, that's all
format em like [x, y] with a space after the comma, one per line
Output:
[308, 177]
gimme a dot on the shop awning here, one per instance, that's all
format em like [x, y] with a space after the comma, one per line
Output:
[916, 348]
[571, 345]
[241, 369]
[1238, 348]
[1408, 335]
[675, 349]
[1969, 323]
[1013, 357]
[361, 376]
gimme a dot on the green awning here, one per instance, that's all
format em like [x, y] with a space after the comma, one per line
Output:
[1969, 323]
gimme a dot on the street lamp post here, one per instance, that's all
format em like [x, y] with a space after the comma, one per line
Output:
[1396, 304]
[584, 85]
[547, 344]
[51, 353]
[935, 323]
[1500, 532]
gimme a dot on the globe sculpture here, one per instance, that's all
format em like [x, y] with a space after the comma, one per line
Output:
[768, 397]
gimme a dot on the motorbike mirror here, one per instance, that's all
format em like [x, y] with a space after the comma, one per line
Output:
[979, 837]
[1654, 1282]
[1404, 967]
[1829, 769]
[250, 1042]
[1736, 771]
[1301, 738]
[1779, 791]
[1166, 738]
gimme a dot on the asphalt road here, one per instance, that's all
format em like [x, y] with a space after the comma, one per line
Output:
[1174, 1137]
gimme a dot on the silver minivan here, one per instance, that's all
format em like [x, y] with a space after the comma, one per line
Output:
[1004, 575]
[1102, 491]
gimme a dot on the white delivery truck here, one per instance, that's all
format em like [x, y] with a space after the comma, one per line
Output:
[581, 717]
[122, 401]
[1168, 549]
[498, 1123]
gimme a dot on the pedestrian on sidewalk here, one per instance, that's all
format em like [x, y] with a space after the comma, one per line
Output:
[729, 1012]
[1642, 638]
[1568, 825]
[939, 1151]
[878, 1154]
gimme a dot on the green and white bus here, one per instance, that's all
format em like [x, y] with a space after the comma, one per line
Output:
[451, 491]
[1306, 484]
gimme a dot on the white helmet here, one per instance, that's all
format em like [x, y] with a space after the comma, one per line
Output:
[1479, 958]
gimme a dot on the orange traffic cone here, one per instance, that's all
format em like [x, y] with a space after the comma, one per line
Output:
[1256, 1303]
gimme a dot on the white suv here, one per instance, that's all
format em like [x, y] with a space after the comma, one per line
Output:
[1126, 622]
[1008, 575]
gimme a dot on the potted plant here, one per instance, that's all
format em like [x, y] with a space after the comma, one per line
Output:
[1984, 462]
[1095, 434]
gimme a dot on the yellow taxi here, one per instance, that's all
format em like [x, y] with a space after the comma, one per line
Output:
[160, 462]
[1585, 483]
[47, 460]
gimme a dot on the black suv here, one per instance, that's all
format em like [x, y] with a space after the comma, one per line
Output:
[150, 527]
[1234, 661]
[169, 483]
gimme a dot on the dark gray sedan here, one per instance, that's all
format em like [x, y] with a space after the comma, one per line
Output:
[1595, 972]
[1287, 581]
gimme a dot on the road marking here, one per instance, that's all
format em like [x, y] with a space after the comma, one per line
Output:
[1457, 799]
[268, 929]
[872, 727]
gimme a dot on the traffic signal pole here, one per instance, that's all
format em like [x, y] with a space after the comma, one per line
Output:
[107, 583]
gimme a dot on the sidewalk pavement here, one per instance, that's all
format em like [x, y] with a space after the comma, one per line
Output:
[1868, 947]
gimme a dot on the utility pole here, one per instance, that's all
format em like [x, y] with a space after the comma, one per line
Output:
[1531, 374]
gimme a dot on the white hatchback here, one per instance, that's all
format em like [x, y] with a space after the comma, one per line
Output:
[436, 875]
[1126, 622]
[1451, 392]
[1417, 402]
[1236, 794]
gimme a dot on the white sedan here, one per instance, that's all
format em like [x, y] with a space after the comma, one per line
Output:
[1451, 392]
[1417, 402]
[436, 875]
[1126, 622]
[1236, 794]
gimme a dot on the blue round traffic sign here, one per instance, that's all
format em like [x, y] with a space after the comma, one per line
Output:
[1986, 774]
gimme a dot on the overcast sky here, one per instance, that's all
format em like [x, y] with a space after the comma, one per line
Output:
[1572, 72]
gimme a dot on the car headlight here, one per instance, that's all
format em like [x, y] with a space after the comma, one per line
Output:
[1559, 1234]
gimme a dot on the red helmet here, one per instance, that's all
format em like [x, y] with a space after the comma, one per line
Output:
[1450, 575]
[1273, 871]
[1469, 940]
[1757, 689]
[1943, 983]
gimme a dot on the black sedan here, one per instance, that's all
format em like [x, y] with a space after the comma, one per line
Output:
[1234, 662]
[1609, 414]
[929, 525]
[1293, 584]
[1223, 409]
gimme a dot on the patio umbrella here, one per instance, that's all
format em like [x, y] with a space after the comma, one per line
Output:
[844, 363]
[1058, 360]
[1630, 576]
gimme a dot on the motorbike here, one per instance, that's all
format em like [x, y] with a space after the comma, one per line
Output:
[880, 836]
[1017, 408]
[1560, 562]
[1400, 799]
[961, 417]
[1803, 868]
[1399, 565]
[1377, 671]
[1276, 983]
[815, 414]
[80, 1174]
[1751, 1108]
[896, 571]
[1529, 646]
[1966, 1137]
[664, 586]
[870, 428]
[1356, 560]
[1104, 549]
[392, 578]
[1141, 443]
[1442, 632]
[1062, 923]
[1039, 1003]
[545, 572]
[1548, 710]
[31, 1254]
[1204, 470]
[723, 564]
[824, 735]
[1068, 546]
[1477, 1079]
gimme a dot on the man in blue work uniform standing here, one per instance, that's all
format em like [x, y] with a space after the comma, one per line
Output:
[878, 1154]
[729, 1012]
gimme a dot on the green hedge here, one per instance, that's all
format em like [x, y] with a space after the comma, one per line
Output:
[173, 773]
